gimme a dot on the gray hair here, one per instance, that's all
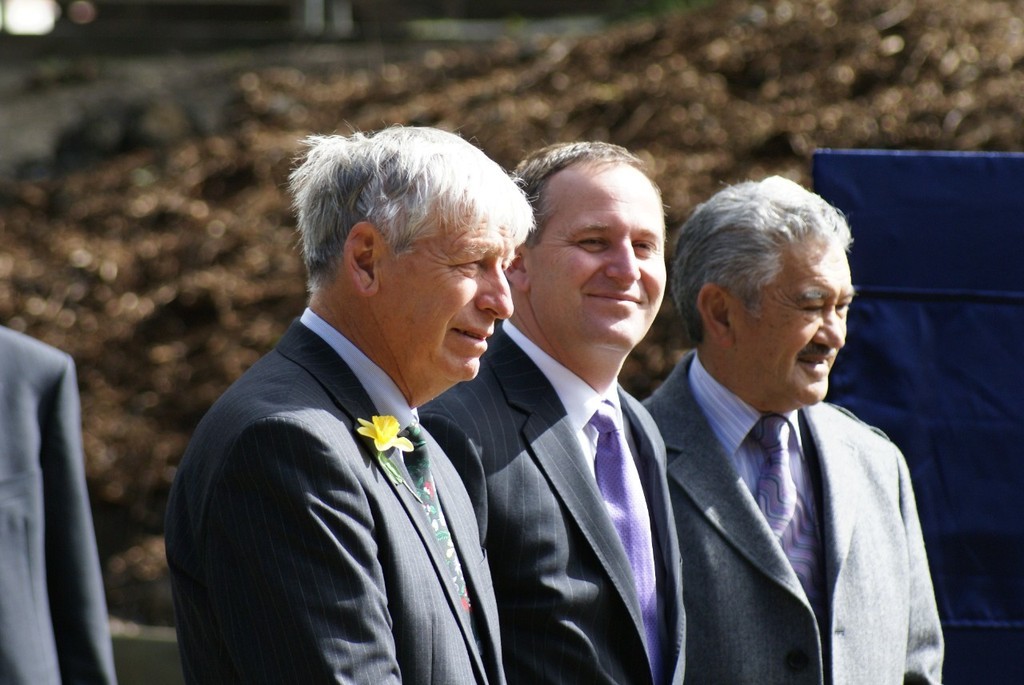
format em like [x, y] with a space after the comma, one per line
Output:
[537, 168]
[408, 182]
[737, 238]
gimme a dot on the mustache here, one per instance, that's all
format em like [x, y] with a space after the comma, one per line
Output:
[818, 350]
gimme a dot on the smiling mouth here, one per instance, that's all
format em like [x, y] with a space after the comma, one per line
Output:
[474, 335]
[617, 297]
[817, 360]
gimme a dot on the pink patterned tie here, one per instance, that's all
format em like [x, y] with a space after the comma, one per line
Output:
[619, 481]
[791, 517]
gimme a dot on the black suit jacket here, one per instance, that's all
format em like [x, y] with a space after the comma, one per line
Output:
[53, 615]
[295, 559]
[568, 609]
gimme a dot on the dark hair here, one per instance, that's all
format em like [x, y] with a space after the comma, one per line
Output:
[539, 166]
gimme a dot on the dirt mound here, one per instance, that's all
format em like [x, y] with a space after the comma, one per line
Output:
[165, 271]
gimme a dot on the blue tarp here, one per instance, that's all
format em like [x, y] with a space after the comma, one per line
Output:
[934, 358]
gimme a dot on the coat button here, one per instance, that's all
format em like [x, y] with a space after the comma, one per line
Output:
[797, 659]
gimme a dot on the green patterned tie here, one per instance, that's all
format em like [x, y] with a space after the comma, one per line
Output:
[417, 463]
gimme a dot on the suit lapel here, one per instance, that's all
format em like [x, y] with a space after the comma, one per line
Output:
[840, 485]
[553, 445]
[310, 351]
[699, 467]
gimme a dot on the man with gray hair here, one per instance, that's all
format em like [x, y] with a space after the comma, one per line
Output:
[309, 539]
[803, 559]
[566, 469]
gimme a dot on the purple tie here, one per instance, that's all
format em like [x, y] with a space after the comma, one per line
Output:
[776, 493]
[619, 481]
[791, 517]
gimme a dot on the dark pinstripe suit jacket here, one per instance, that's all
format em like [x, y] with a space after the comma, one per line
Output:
[294, 559]
[53, 615]
[565, 597]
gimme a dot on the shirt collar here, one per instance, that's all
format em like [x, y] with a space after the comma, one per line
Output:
[385, 395]
[579, 399]
[730, 417]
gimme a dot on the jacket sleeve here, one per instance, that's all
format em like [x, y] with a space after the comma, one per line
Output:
[74, 579]
[924, 632]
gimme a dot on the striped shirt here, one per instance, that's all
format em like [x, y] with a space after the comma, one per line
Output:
[731, 420]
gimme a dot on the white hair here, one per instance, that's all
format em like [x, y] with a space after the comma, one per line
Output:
[408, 182]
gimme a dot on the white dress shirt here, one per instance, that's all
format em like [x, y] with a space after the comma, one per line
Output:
[383, 392]
[579, 399]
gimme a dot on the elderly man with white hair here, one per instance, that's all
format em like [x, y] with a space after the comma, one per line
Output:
[309, 539]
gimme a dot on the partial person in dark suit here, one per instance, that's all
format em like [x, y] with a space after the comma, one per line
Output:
[308, 541]
[53, 614]
[802, 552]
[587, 585]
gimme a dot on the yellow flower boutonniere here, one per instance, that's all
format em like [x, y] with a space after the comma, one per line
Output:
[383, 431]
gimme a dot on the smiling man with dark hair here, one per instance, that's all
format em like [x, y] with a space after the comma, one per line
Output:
[565, 468]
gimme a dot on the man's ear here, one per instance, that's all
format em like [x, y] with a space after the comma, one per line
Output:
[518, 278]
[717, 307]
[364, 248]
